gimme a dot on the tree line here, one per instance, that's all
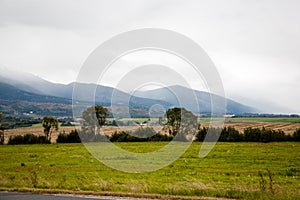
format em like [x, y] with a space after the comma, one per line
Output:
[180, 123]
[227, 134]
[230, 134]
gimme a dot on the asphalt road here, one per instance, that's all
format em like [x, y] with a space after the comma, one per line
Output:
[29, 196]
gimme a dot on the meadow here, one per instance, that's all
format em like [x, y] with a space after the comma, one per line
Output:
[231, 170]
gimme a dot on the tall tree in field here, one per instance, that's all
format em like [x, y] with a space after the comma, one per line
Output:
[49, 124]
[94, 118]
[174, 119]
[180, 118]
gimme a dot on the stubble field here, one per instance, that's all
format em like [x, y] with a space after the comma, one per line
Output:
[288, 125]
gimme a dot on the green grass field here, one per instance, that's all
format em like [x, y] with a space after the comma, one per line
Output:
[235, 170]
[36, 126]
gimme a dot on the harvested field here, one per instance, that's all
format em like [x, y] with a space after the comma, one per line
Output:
[108, 130]
[288, 128]
[34, 131]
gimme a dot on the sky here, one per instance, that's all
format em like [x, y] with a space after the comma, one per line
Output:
[254, 44]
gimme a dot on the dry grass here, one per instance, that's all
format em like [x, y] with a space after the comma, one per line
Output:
[34, 131]
[108, 130]
[288, 128]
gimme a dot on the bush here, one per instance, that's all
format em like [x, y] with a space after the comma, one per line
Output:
[28, 139]
[296, 135]
[62, 138]
[201, 134]
[126, 137]
[43, 140]
[266, 135]
[211, 133]
[230, 134]
[72, 137]
[279, 135]
[160, 138]
[18, 139]
[1, 136]
[252, 134]
[144, 132]
[86, 136]
[131, 136]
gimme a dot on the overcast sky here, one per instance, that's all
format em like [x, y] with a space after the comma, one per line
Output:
[255, 44]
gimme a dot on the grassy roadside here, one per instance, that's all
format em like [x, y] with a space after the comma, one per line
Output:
[108, 194]
[231, 170]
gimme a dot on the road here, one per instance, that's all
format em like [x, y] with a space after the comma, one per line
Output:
[29, 196]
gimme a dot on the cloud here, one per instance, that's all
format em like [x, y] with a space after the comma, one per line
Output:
[254, 44]
[151, 68]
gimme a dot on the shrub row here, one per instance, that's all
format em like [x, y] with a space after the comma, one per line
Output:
[227, 134]
[28, 139]
[230, 134]
[140, 135]
[72, 137]
[129, 137]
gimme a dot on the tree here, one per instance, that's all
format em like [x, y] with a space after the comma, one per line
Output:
[93, 119]
[1, 130]
[49, 124]
[174, 119]
[182, 121]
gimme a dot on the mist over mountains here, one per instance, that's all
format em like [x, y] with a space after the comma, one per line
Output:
[26, 94]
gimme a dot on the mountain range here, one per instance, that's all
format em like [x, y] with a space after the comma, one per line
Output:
[26, 94]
